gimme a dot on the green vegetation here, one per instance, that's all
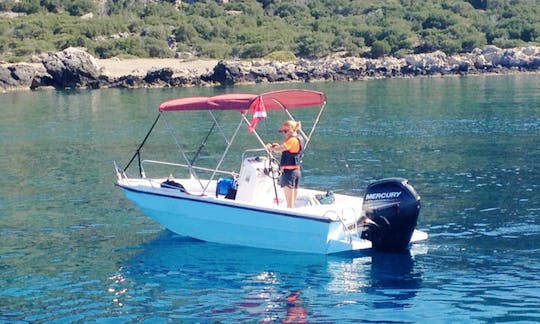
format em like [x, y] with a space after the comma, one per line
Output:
[264, 28]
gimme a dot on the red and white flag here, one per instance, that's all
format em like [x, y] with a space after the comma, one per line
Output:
[259, 112]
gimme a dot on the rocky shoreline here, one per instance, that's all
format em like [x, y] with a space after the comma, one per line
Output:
[74, 68]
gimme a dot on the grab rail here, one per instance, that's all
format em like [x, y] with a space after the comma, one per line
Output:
[183, 166]
[252, 150]
[355, 219]
[347, 231]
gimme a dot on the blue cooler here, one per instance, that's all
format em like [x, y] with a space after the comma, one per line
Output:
[225, 186]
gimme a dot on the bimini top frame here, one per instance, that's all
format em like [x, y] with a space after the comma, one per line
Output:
[256, 104]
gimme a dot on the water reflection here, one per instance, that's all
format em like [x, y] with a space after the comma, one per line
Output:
[396, 276]
[296, 313]
[206, 280]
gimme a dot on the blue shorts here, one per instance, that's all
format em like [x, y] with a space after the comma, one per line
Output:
[290, 178]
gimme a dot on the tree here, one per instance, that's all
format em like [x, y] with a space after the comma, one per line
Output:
[27, 6]
[250, 28]
[531, 33]
[80, 7]
[185, 33]
[156, 47]
[380, 48]
[479, 4]
[218, 50]
[439, 19]
[312, 45]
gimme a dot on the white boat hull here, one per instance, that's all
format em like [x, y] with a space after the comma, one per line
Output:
[230, 222]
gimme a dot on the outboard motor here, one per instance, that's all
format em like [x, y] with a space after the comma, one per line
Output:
[390, 212]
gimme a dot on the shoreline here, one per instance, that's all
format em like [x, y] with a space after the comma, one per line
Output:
[116, 68]
[116, 72]
[74, 68]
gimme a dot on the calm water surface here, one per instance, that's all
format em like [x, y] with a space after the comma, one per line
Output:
[73, 249]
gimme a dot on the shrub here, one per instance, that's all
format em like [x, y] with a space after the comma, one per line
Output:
[66, 41]
[156, 47]
[25, 50]
[162, 10]
[80, 7]
[52, 5]
[531, 33]
[380, 48]
[102, 27]
[27, 6]
[158, 32]
[26, 31]
[253, 50]
[345, 42]
[251, 28]
[203, 27]
[508, 43]
[439, 20]
[282, 56]
[472, 41]
[312, 45]
[117, 47]
[218, 50]
[7, 5]
[368, 33]
[104, 50]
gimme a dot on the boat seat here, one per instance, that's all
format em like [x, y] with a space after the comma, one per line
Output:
[171, 184]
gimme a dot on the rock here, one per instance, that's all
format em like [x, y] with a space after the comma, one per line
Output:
[22, 74]
[5, 77]
[427, 63]
[72, 68]
[459, 63]
[41, 79]
[225, 73]
[490, 50]
[128, 81]
[87, 16]
[184, 55]
[159, 76]
[493, 58]
[354, 68]
[392, 64]
[531, 50]
[17, 76]
[262, 73]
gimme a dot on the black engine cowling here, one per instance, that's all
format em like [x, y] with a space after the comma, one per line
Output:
[390, 213]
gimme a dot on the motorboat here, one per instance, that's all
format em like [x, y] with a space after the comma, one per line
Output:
[233, 197]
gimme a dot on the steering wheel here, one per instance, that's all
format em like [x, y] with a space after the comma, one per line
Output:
[274, 171]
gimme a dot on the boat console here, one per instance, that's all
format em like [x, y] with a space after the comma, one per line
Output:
[256, 182]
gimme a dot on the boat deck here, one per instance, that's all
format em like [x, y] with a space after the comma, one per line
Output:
[342, 207]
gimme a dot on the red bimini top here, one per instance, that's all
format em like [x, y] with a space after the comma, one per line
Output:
[281, 99]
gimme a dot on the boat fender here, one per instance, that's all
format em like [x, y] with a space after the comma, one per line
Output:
[171, 184]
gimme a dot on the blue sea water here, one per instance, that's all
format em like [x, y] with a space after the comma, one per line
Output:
[74, 250]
